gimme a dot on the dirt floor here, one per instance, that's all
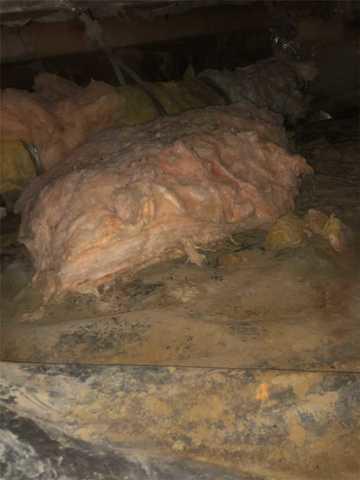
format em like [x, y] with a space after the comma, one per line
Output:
[296, 308]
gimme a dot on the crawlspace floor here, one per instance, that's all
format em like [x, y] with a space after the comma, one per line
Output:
[288, 323]
[297, 309]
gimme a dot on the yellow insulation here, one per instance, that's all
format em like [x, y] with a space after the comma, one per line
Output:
[175, 97]
[16, 166]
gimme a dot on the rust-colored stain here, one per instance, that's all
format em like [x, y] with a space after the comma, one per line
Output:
[262, 393]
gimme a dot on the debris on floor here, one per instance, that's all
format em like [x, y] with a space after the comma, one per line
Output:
[287, 232]
[292, 231]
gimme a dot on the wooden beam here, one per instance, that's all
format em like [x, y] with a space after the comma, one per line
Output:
[39, 40]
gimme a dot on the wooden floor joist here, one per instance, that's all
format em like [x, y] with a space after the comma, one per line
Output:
[38, 40]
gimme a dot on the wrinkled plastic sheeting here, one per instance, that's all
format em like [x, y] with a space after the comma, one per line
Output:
[131, 198]
[147, 422]
[28, 451]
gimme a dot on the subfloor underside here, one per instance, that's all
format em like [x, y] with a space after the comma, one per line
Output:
[272, 339]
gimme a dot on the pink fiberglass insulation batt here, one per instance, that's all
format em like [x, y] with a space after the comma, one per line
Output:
[59, 116]
[130, 198]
